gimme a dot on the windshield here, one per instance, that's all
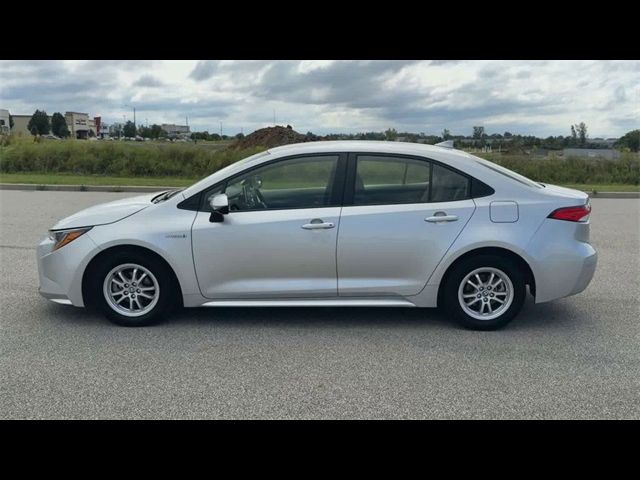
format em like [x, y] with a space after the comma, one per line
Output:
[508, 173]
[220, 173]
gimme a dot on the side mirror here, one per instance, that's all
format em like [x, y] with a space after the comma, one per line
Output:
[219, 208]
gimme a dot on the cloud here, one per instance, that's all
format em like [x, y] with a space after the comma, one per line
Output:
[148, 81]
[204, 69]
[529, 97]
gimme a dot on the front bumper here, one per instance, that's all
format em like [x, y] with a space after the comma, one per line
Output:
[60, 272]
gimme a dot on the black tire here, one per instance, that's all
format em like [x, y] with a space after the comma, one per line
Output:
[454, 309]
[167, 288]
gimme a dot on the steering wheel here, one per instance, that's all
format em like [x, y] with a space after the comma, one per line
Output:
[253, 198]
[260, 199]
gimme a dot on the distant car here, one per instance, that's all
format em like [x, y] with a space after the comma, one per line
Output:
[339, 224]
[50, 136]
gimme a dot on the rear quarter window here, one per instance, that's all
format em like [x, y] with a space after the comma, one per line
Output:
[508, 173]
[448, 186]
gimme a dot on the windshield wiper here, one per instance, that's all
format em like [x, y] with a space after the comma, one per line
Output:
[166, 195]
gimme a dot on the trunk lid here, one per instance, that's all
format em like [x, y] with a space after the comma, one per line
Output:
[578, 197]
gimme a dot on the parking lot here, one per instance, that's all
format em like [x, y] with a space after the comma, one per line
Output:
[577, 357]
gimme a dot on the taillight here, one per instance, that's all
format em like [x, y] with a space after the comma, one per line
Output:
[572, 214]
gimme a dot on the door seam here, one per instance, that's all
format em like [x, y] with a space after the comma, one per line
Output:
[475, 207]
[336, 252]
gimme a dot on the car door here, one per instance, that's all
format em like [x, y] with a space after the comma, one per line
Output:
[400, 216]
[279, 238]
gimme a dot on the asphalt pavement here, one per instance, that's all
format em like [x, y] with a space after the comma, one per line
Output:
[577, 357]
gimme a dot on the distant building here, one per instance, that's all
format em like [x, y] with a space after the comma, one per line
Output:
[602, 141]
[178, 130]
[79, 124]
[4, 121]
[607, 153]
[20, 124]
[102, 129]
[115, 130]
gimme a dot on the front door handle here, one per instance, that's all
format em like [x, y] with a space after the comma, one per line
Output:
[441, 217]
[318, 224]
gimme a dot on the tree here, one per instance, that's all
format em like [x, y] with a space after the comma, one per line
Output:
[157, 131]
[10, 121]
[59, 125]
[630, 140]
[145, 132]
[574, 136]
[446, 134]
[391, 134]
[240, 136]
[478, 133]
[39, 123]
[582, 132]
[129, 129]
[508, 135]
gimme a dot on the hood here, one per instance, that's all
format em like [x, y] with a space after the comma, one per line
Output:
[106, 212]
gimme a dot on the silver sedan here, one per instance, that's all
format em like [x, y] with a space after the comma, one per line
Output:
[329, 224]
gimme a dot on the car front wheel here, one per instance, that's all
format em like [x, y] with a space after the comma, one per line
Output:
[484, 292]
[132, 290]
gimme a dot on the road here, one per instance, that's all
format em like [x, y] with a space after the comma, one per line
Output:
[573, 358]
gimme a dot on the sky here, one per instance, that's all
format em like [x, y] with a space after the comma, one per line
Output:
[539, 98]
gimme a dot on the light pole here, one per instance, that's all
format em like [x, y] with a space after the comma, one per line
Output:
[134, 114]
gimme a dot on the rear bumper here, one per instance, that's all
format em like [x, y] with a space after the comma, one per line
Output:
[586, 274]
[563, 262]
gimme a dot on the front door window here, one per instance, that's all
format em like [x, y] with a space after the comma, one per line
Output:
[303, 182]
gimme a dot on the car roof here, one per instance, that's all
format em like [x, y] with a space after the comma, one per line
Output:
[456, 158]
[358, 146]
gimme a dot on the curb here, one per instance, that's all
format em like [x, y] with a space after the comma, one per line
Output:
[141, 189]
[614, 195]
[81, 188]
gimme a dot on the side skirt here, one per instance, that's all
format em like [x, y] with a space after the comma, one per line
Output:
[313, 302]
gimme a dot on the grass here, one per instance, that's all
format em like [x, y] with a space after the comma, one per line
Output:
[573, 170]
[117, 159]
[67, 179]
[157, 163]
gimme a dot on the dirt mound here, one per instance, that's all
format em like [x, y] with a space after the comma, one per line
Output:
[274, 137]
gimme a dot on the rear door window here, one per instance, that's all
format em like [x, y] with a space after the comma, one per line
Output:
[384, 180]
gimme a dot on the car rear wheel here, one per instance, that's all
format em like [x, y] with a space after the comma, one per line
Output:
[132, 290]
[484, 292]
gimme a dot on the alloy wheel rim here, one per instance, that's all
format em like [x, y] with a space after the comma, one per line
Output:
[131, 290]
[485, 293]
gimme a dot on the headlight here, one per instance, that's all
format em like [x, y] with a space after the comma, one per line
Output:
[62, 237]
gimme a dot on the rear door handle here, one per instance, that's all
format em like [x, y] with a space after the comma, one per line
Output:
[318, 224]
[441, 217]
